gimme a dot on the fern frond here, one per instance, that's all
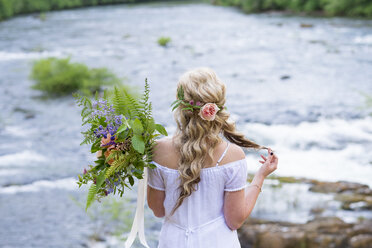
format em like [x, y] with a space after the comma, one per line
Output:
[133, 106]
[86, 103]
[82, 100]
[115, 165]
[119, 102]
[91, 195]
[94, 188]
[112, 169]
[145, 105]
[113, 155]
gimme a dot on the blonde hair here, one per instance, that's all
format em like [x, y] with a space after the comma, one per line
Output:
[196, 137]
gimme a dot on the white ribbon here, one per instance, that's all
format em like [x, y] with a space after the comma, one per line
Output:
[139, 218]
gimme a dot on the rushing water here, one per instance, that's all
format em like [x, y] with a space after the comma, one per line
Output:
[292, 88]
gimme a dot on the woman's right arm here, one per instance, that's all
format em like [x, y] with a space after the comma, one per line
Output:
[238, 205]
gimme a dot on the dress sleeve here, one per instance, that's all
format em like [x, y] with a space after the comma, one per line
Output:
[155, 179]
[236, 176]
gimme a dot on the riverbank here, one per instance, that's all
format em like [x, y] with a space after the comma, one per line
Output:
[307, 7]
[329, 8]
[9, 9]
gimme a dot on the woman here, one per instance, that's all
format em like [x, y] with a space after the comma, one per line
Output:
[200, 181]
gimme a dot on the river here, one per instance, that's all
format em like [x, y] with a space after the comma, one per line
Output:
[295, 89]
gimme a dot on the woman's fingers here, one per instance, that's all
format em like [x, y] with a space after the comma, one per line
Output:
[270, 160]
[270, 152]
[276, 159]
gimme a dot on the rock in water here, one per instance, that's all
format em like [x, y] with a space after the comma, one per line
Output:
[321, 232]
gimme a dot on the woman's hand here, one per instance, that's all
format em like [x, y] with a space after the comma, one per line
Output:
[269, 163]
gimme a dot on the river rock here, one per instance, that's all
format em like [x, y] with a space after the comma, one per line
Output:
[361, 241]
[306, 25]
[338, 187]
[317, 233]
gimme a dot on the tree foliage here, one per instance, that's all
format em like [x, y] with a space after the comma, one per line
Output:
[350, 8]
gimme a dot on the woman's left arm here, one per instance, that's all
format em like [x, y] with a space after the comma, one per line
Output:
[155, 200]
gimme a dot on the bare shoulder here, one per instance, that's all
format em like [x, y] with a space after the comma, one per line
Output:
[163, 149]
[163, 143]
[234, 153]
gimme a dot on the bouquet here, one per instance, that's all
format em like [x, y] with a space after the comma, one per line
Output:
[121, 131]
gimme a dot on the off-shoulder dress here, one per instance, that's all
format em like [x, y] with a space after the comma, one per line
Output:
[199, 222]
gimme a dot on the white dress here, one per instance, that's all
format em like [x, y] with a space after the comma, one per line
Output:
[199, 222]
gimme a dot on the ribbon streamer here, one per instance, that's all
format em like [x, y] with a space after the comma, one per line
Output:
[139, 218]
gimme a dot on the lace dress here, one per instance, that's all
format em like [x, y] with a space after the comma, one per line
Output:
[199, 222]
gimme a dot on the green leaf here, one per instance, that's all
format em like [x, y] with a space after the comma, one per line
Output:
[102, 121]
[151, 126]
[91, 194]
[138, 173]
[161, 129]
[95, 147]
[138, 144]
[152, 166]
[137, 127]
[122, 128]
[125, 121]
[100, 178]
[94, 188]
[111, 170]
[177, 103]
[131, 180]
[180, 93]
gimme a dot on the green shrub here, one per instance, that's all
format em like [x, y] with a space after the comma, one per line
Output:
[6, 9]
[163, 41]
[351, 8]
[59, 77]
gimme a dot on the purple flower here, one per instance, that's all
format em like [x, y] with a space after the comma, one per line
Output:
[85, 171]
[111, 143]
[198, 103]
[191, 102]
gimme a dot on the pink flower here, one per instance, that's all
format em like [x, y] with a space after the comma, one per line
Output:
[208, 111]
[198, 103]
[191, 102]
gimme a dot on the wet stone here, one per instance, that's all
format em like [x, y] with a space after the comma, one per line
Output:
[318, 233]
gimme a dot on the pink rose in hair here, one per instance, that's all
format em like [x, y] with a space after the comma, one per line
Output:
[208, 111]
